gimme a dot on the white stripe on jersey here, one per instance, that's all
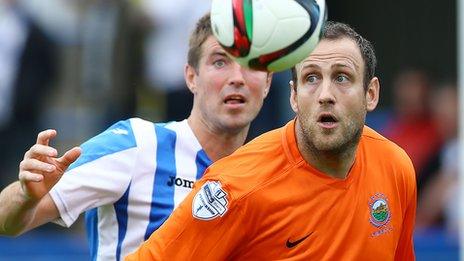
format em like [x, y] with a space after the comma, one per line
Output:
[141, 186]
[108, 237]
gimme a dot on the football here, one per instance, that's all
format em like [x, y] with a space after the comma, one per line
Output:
[268, 35]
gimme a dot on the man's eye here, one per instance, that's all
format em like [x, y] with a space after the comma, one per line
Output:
[341, 78]
[219, 63]
[311, 78]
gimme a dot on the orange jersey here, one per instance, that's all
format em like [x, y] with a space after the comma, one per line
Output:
[265, 202]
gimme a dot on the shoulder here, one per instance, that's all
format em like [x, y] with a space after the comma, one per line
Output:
[265, 148]
[172, 129]
[134, 132]
[251, 166]
[177, 135]
[384, 157]
[122, 136]
[380, 147]
[118, 136]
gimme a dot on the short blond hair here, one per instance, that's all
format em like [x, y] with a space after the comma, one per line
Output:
[199, 35]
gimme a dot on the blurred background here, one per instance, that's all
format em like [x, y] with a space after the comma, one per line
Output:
[79, 66]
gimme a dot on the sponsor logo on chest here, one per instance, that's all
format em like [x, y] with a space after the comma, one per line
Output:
[180, 182]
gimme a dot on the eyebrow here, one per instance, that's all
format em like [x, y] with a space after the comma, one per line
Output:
[336, 65]
[310, 66]
[343, 65]
[218, 52]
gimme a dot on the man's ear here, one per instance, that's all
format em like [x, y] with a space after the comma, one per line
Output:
[190, 76]
[293, 98]
[268, 83]
[372, 94]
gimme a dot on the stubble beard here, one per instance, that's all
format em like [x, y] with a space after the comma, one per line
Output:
[220, 121]
[331, 143]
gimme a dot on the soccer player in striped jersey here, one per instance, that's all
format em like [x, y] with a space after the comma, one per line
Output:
[129, 178]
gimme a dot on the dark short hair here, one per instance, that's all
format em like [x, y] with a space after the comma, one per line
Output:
[199, 35]
[335, 31]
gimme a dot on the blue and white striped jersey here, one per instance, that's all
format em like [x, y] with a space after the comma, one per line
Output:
[129, 179]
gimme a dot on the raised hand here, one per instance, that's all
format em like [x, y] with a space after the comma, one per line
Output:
[41, 168]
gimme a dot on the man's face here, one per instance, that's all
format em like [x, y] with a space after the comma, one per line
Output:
[330, 101]
[227, 97]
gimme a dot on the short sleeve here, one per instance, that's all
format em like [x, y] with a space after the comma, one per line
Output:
[405, 247]
[100, 175]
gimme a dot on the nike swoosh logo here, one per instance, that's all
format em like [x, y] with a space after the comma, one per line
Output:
[290, 244]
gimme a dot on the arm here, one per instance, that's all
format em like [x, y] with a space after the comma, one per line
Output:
[26, 204]
[184, 236]
[405, 247]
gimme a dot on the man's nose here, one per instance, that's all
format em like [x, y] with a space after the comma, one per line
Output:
[236, 75]
[326, 94]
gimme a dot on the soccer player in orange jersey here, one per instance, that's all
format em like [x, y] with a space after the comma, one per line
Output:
[323, 187]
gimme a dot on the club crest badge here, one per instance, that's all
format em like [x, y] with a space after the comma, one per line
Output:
[210, 201]
[379, 210]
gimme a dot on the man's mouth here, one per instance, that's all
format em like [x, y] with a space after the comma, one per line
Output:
[327, 120]
[234, 99]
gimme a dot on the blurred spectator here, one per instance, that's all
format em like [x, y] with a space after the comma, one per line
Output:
[109, 39]
[412, 126]
[438, 200]
[166, 50]
[99, 66]
[27, 68]
[58, 18]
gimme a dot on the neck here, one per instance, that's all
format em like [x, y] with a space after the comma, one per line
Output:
[334, 163]
[217, 143]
